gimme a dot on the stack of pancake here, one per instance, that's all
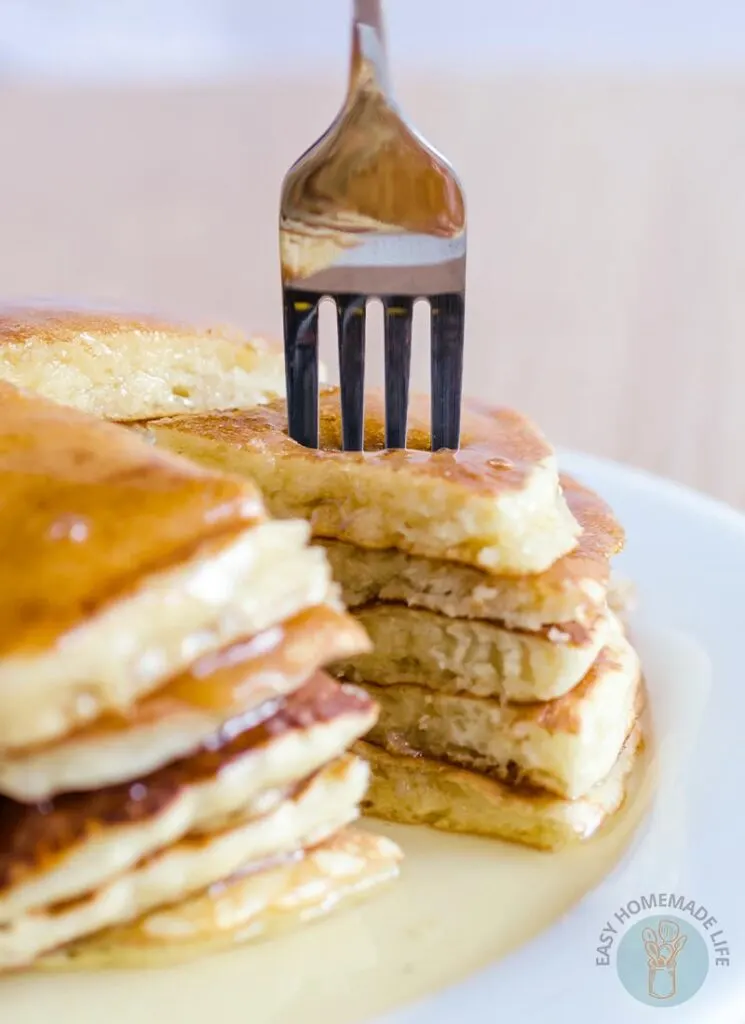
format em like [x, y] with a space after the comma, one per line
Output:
[174, 767]
[509, 694]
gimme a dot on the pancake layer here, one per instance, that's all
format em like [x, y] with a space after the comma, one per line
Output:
[496, 503]
[565, 746]
[131, 368]
[249, 906]
[325, 805]
[573, 590]
[120, 565]
[417, 790]
[484, 659]
[253, 581]
[57, 851]
[221, 693]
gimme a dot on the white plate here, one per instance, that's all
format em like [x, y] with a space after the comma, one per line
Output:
[462, 902]
[687, 555]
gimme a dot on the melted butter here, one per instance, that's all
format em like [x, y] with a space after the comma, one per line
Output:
[461, 903]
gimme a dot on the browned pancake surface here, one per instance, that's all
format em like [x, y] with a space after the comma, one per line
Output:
[87, 510]
[497, 450]
[56, 325]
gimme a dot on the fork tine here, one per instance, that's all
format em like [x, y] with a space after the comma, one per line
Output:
[398, 321]
[301, 365]
[448, 314]
[351, 314]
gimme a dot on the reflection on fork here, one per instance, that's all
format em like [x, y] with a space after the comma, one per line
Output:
[371, 210]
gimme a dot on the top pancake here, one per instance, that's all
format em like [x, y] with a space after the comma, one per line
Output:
[120, 564]
[495, 503]
[88, 509]
[573, 590]
[132, 368]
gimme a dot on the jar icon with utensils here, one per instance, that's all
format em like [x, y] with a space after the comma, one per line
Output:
[662, 961]
[662, 948]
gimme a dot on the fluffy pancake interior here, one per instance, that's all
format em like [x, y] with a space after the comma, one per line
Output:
[228, 690]
[252, 905]
[128, 369]
[565, 745]
[422, 791]
[573, 589]
[55, 852]
[494, 503]
[326, 804]
[411, 645]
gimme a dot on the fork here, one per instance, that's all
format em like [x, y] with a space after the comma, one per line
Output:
[371, 210]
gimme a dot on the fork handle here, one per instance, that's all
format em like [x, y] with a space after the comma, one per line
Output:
[369, 12]
[369, 58]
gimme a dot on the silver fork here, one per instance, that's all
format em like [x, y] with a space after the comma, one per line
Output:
[371, 210]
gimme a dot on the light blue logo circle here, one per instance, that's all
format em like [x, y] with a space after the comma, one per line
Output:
[662, 961]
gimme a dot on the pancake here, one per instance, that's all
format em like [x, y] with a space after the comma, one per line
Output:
[250, 906]
[119, 565]
[421, 791]
[574, 589]
[225, 691]
[319, 809]
[485, 659]
[565, 746]
[495, 503]
[130, 647]
[134, 367]
[56, 851]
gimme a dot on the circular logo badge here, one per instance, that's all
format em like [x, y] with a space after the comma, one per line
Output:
[662, 961]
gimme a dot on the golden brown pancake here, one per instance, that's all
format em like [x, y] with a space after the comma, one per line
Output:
[327, 803]
[225, 690]
[125, 367]
[119, 565]
[495, 503]
[258, 903]
[72, 844]
[573, 590]
[89, 509]
[418, 790]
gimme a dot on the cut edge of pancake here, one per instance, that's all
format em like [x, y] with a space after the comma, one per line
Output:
[564, 746]
[575, 589]
[439, 508]
[471, 656]
[422, 791]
